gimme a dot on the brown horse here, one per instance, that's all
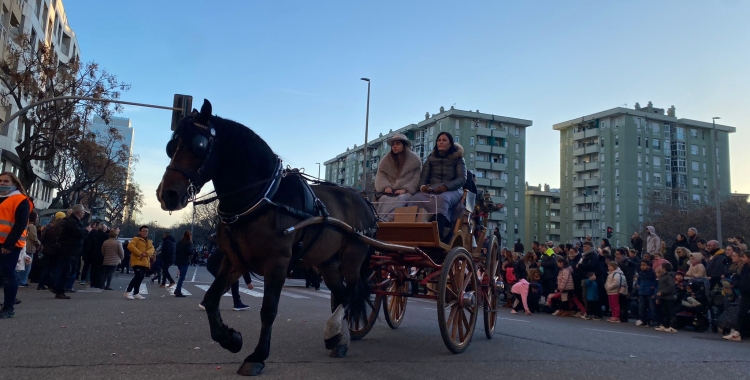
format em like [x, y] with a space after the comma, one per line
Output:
[258, 201]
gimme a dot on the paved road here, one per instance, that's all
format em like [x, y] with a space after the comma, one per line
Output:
[100, 335]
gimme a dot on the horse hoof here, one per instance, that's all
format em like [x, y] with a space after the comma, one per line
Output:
[339, 351]
[234, 343]
[333, 341]
[251, 369]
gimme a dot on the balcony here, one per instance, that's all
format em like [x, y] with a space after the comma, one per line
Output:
[554, 206]
[579, 151]
[497, 216]
[482, 165]
[499, 200]
[498, 183]
[483, 148]
[586, 200]
[499, 150]
[594, 148]
[555, 218]
[482, 182]
[554, 231]
[585, 216]
[499, 133]
[582, 233]
[499, 167]
[483, 131]
[593, 132]
[584, 167]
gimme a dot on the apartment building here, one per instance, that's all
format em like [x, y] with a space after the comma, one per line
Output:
[614, 162]
[43, 21]
[542, 215]
[495, 151]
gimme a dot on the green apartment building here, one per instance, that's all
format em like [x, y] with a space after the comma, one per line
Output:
[613, 163]
[542, 216]
[495, 150]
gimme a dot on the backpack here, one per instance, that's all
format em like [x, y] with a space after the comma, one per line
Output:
[510, 275]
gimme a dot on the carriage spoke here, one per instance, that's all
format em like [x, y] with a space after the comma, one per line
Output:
[466, 321]
[453, 303]
[462, 327]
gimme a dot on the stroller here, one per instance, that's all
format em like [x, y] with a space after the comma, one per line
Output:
[695, 309]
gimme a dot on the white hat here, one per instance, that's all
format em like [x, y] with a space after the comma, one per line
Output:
[398, 137]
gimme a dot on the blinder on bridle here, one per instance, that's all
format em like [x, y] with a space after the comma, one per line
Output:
[200, 139]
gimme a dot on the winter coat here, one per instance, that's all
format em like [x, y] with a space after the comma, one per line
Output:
[549, 263]
[591, 263]
[717, 265]
[168, 247]
[592, 290]
[389, 176]
[32, 240]
[518, 247]
[693, 243]
[139, 246]
[94, 244]
[448, 171]
[646, 282]
[628, 268]
[671, 255]
[743, 283]
[637, 244]
[522, 289]
[72, 237]
[653, 242]
[520, 270]
[565, 279]
[666, 287]
[615, 280]
[112, 252]
[50, 238]
[183, 252]
[696, 271]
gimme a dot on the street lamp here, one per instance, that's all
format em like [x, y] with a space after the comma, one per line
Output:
[364, 148]
[715, 154]
[318, 170]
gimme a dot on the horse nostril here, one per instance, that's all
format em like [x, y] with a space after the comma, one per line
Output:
[170, 198]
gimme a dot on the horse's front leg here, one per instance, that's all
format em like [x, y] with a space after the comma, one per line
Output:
[273, 282]
[228, 338]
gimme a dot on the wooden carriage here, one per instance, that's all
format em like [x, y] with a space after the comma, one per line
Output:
[411, 261]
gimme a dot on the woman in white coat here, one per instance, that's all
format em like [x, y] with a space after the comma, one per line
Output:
[397, 177]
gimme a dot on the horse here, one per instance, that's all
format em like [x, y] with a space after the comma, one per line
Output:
[260, 202]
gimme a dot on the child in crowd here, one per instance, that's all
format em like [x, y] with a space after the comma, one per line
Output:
[615, 285]
[593, 308]
[520, 293]
[665, 297]
[657, 261]
[565, 293]
[646, 286]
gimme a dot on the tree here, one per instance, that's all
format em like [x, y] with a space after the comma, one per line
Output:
[206, 221]
[30, 72]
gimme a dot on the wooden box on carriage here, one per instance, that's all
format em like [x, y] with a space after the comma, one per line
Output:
[410, 214]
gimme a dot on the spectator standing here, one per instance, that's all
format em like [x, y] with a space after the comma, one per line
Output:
[615, 284]
[742, 283]
[32, 246]
[593, 308]
[518, 247]
[168, 247]
[183, 254]
[653, 242]
[665, 298]
[70, 247]
[646, 287]
[96, 258]
[112, 256]
[683, 259]
[549, 264]
[717, 263]
[125, 264]
[671, 255]
[49, 250]
[141, 251]
[636, 242]
[693, 239]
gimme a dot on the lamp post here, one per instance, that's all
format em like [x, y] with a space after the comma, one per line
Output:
[318, 170]
[364, 147]
[717, 187]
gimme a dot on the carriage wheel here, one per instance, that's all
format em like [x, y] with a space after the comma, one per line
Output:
[457, 300]
[394, 307]
[358, 329]
[491, 279]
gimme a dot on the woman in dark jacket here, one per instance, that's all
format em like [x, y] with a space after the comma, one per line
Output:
[183, 252]
[443, 177]
[671, 254]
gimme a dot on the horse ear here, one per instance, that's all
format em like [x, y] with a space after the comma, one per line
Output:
[206, 109]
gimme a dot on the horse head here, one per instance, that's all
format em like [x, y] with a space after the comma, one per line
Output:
[193, 154]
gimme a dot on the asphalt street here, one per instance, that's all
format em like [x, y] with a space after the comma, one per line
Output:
[102, 335]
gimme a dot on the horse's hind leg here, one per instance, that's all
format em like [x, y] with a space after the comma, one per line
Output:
[336, 333]
[273, 282]
[228, 338]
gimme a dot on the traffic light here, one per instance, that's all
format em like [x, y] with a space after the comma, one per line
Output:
[185, 103]
[609, 232]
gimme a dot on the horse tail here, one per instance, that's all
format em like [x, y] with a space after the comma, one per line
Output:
[359, 292]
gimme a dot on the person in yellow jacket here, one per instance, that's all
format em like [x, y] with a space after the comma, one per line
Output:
[141, 250]
[14, 216]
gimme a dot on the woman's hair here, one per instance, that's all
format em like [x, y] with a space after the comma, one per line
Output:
[33, 217]
[682, 249]
[17, 183]
[399, 158]
[623, 251]
[735, 249]
[612, 264]
[562, 260]
[529, 256]
[452, 149]
[534, 274]
[605, 242]
[648, 263]
[187, 236]
[114, 232]
[683, 236]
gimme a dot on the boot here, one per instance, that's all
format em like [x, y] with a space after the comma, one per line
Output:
[444, 229]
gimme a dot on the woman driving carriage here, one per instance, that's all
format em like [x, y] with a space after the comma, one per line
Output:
[398, 176]
[443, 176]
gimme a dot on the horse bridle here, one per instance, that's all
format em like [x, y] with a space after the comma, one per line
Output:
[203, 142]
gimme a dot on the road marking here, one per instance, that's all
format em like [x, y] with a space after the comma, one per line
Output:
[251, 292]
[511, 319]
[318, 293]
[617, 332]
[194, 273]
[183, 291]
[143, 289]
[430, 308]
[90, 290]
[205, 289]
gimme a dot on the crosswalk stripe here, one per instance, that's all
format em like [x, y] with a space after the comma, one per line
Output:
[316, 293]
[143, 289]
[251, 292]
[184, 291]
[205, 289]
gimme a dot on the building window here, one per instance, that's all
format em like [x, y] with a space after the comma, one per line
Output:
[705, 184]
[515, 212]
[639, 174]
[617, 191]
[471, 157]
[655, 126]
[457, 139]
[617, 157]
[516, 180]
[639, 158]
[696, 199]
[517, 148]
[617, 209]
[694, 166]
[639, 140]
[694, 149]
[646, 177]
[515, 196]
[617, 140]
[657, 161]
[617, 173]
[696, 184]
[471, 141]
[705, 168]
[656, 144]
[694, 133]
[657, 177]
[516, 164]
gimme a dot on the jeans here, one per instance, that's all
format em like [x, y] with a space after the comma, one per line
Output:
[86, 271]
[594, 309]
[8, 263]
[46, 278]
[109, 270]
[75, 265]
[667, 311]
[64, 266]
[183, 273]
[135, 284]
[166, 276]
[646, 308]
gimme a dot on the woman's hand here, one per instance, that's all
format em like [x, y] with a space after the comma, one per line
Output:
[399, 192]
[388, 190]
[441, 189]
[425, 189]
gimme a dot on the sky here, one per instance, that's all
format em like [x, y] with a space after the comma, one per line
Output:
[290, 70]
